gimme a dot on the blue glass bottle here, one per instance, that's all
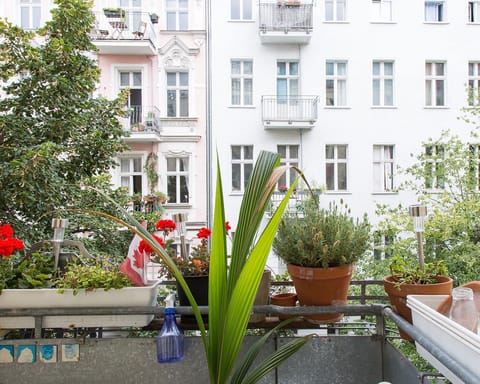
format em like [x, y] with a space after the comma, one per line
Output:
[170, 338]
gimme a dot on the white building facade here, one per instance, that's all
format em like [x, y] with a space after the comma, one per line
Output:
[346, 89]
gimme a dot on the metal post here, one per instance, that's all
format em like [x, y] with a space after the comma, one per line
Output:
[180, 220]
[419, 212]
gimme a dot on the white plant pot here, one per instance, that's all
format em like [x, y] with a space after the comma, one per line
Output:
[51, 298]
[461, 343]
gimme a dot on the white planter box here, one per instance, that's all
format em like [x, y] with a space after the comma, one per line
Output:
[450, 336]
[50, 298]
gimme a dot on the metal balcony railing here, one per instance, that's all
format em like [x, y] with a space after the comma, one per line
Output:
[131, 25]
[286, 16]
[141, 118]
[290, 108]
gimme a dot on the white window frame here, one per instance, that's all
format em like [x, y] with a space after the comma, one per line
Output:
[382, 11]
[474, 11]
[435, 96]
[178, 88]
[175, 193]
[339, 98]
[381, 241]
[435, 167]
[34, 10]
[179, 11]
[244, 164]
[337, 162]
[244, 80]
[383, 79]
[286, 158]
[335, 10]
[473, 83]
[131, 173]
[435, 11]
[291, 81]
[245, 10]
[383, 168]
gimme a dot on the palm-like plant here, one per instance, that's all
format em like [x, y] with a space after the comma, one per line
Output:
[232, 288]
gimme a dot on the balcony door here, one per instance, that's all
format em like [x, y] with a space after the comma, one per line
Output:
[133, 81]
[287, 90]
[133, 10]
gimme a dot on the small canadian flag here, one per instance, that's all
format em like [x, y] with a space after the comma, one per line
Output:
[135, 264]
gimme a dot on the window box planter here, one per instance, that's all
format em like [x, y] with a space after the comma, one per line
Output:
[114, 12]
[462, 344]
[51, 298]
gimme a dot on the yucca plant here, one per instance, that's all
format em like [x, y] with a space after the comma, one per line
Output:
[233, 286]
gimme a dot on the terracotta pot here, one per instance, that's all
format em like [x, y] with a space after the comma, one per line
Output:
[398, 295]
[263, 294]
[288, 299]
[321, 287]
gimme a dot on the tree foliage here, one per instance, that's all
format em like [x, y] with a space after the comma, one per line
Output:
[452, 229]
[54, 134]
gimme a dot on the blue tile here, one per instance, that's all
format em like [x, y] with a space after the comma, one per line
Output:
[27, 354]
[6, 353]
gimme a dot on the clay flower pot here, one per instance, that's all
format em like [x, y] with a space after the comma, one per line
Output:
[288, 299]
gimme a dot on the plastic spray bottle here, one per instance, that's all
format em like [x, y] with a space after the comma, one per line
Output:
[170, 338]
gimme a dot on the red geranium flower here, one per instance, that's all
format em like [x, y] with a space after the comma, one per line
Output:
[166, 225]
[204, 233]
[143, 246]
[227, 226]
[8, 243]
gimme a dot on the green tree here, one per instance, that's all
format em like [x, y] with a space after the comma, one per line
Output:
[54, 134]
[446, 178]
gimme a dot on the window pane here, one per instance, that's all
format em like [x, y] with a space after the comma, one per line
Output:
[282, 151]
[376, 68]
[248, 171]
[376, 92]
[281, 68]
[293, 68]
[183, 103]
[124, 165]
[330, 95]
[330, 177]
[248, 67]
[329, 151]
[124, 79]
[248, 152]
[329, 70]
[171, 104]
[342, 176]
[236, 177]
[235, 67]
[342, 92]
[247, 9]
[171, 78]
[137, 79]
[248, 99]
[183, 189]
[342, 69]
[388, 92]
[183, 78]
[235, 9]
[428, 68]
[171, 164]
[342, 151]
[388, 69]
[137, 165]
[294, 151]
[183, 21]
[236, 152]
[36, 17]
[329, 10]
[439, 92]
[171, 21]
[439, 69]
[172, 189]
[235, 91]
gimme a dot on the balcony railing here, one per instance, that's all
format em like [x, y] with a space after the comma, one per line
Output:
[134, 28]
[289, 111]
[292, 18]
[142, 118]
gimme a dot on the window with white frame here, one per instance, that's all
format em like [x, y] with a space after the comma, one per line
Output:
[336, 83]
[435, 83]
[434, 167]
[336, 167]
[381, 243]
[177, 15]
[30, 14]
[382, 83]
[382, 10]
[133, 13]
[383, 168]
[241, 10]
[177, 180]
[474, 11]
[335, 10]
[242, 82]
[474, 171]
[131, 174]
[287, 81]
[132, 80]
[288, 156]
[434, 11]
[473, 83]
[177, 94]
[242, 166]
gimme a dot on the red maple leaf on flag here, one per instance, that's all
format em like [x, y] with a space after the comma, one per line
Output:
[139, 260]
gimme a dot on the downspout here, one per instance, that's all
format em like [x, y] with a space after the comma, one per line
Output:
[208, 131]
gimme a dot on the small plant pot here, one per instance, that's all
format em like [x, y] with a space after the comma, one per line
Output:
[288, 299]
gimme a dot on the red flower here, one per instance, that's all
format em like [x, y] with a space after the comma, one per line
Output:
[165, 225]
[144, 247]
[227, 226]
[204, 233]
[8, 243]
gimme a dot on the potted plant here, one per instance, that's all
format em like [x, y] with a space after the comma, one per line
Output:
[234, 278]
[32, 281]
[114, 12]
[154, 18]
[320, 247]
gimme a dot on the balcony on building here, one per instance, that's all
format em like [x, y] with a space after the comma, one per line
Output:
[142, 123]
[286, 22]
[289, 112]
[128, 33]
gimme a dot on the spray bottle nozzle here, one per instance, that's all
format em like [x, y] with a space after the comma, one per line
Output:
[170, 301]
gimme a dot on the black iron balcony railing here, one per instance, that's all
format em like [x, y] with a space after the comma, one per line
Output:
[286, 16]
[141, 118]
[290, 108]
